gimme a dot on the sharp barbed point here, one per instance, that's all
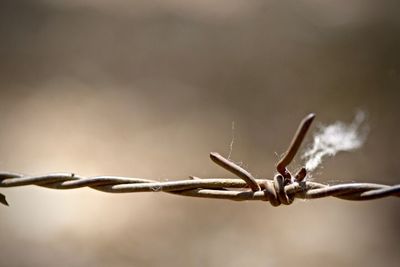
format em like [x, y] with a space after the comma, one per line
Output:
[279, 190]
[235, 169]
[294, 146]
[3, 199]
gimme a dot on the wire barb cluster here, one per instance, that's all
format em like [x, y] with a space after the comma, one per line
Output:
[282, 189]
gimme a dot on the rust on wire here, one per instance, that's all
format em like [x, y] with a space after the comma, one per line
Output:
[282, 189]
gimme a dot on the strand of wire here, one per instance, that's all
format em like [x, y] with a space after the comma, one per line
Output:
[282, 189]
[274, 191]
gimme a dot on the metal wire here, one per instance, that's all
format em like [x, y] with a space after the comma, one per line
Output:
[220, 188]
[282, 189]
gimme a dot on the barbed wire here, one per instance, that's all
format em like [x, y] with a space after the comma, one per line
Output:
[282, 189]
[274, 191]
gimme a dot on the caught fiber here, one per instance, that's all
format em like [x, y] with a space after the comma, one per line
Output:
[334, 138]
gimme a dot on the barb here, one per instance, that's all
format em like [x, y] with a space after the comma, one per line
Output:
[235, 169]
[294, 147]
[279, 190]
[3, 199]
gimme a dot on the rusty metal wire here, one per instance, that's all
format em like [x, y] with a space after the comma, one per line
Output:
[273, 191]
[282, 189]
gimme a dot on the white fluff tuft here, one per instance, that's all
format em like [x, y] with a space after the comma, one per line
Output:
[334, 138]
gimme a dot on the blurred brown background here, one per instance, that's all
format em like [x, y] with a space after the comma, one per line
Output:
[149, 88]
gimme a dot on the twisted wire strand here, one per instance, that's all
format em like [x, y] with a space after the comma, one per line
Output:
[275, 191]
[282, 189]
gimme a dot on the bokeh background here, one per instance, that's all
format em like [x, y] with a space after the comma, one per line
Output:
[148, 88]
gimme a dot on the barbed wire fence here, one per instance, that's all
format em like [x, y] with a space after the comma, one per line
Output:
[282, 189]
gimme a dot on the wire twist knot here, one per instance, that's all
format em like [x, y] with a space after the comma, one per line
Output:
[276, 193]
